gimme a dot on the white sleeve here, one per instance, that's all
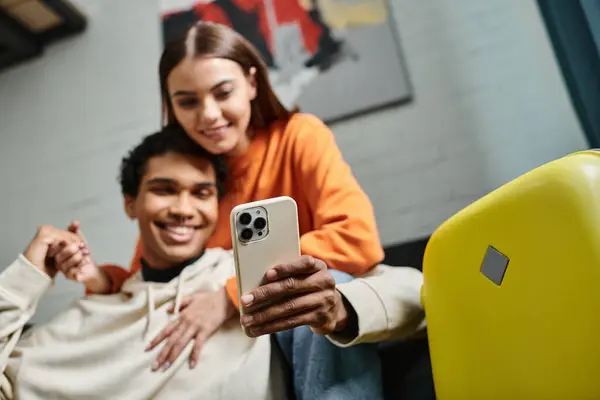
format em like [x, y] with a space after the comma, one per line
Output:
[21, 287]
[387, 303]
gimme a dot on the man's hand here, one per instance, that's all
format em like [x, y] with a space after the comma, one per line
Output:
[203, 314]
[302, 293]
[38, 250]
[75, 262]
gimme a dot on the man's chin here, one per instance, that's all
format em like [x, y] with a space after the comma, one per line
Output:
[178, 254]
[172, 254]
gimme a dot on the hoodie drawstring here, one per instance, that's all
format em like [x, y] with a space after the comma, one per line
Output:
[152, 306]
[179, 294]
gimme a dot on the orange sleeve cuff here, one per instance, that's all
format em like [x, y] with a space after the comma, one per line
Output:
[117, 275]
[232, 291]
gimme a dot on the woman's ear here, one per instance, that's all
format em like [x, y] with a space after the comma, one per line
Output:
[252, 82]
[129, 206]
[165, 113]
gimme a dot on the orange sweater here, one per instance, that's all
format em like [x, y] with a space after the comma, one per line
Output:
[301, 160]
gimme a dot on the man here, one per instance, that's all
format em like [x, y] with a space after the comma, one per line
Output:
[98, 348]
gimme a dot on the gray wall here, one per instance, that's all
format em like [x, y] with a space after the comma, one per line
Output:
[490, 105]
[65, 122]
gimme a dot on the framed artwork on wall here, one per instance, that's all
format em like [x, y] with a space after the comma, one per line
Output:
[332, 58]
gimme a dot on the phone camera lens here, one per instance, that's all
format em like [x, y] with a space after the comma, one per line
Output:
[246, 234]
[245, 219]
[260, 223]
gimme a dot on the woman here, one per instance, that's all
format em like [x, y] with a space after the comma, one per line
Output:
[215, 85]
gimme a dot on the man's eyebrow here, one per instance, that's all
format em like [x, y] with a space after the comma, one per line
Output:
[170, 181]
[202, 185]
[165, 181]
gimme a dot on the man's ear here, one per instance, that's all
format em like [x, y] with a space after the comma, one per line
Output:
[129, 205]
[252, 82]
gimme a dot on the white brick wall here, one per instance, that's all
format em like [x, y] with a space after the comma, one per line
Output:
[487, 90]
[490, 105]
[66, 120]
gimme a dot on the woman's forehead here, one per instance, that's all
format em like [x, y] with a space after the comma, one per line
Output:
[203, 73]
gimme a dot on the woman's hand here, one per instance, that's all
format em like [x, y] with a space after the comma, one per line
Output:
[75, 262]
[302, 293]
[201, 315]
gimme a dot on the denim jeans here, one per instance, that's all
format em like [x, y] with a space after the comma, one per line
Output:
[324, 371]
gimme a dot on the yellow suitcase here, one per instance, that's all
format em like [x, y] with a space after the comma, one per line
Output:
[512, 289]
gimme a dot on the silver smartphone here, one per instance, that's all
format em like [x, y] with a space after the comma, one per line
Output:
[264, 234]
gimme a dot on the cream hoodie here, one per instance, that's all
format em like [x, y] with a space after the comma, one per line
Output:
[96, 349]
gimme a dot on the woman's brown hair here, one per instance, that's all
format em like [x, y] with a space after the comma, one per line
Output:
[207, 39]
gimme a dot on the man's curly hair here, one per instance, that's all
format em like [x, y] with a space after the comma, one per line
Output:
[171, 139]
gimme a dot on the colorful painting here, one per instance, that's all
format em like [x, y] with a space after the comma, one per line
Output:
[332, 58]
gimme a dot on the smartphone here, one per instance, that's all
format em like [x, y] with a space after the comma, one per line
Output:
[263, 234]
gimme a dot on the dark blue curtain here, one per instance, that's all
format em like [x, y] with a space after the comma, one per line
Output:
[574, 30]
